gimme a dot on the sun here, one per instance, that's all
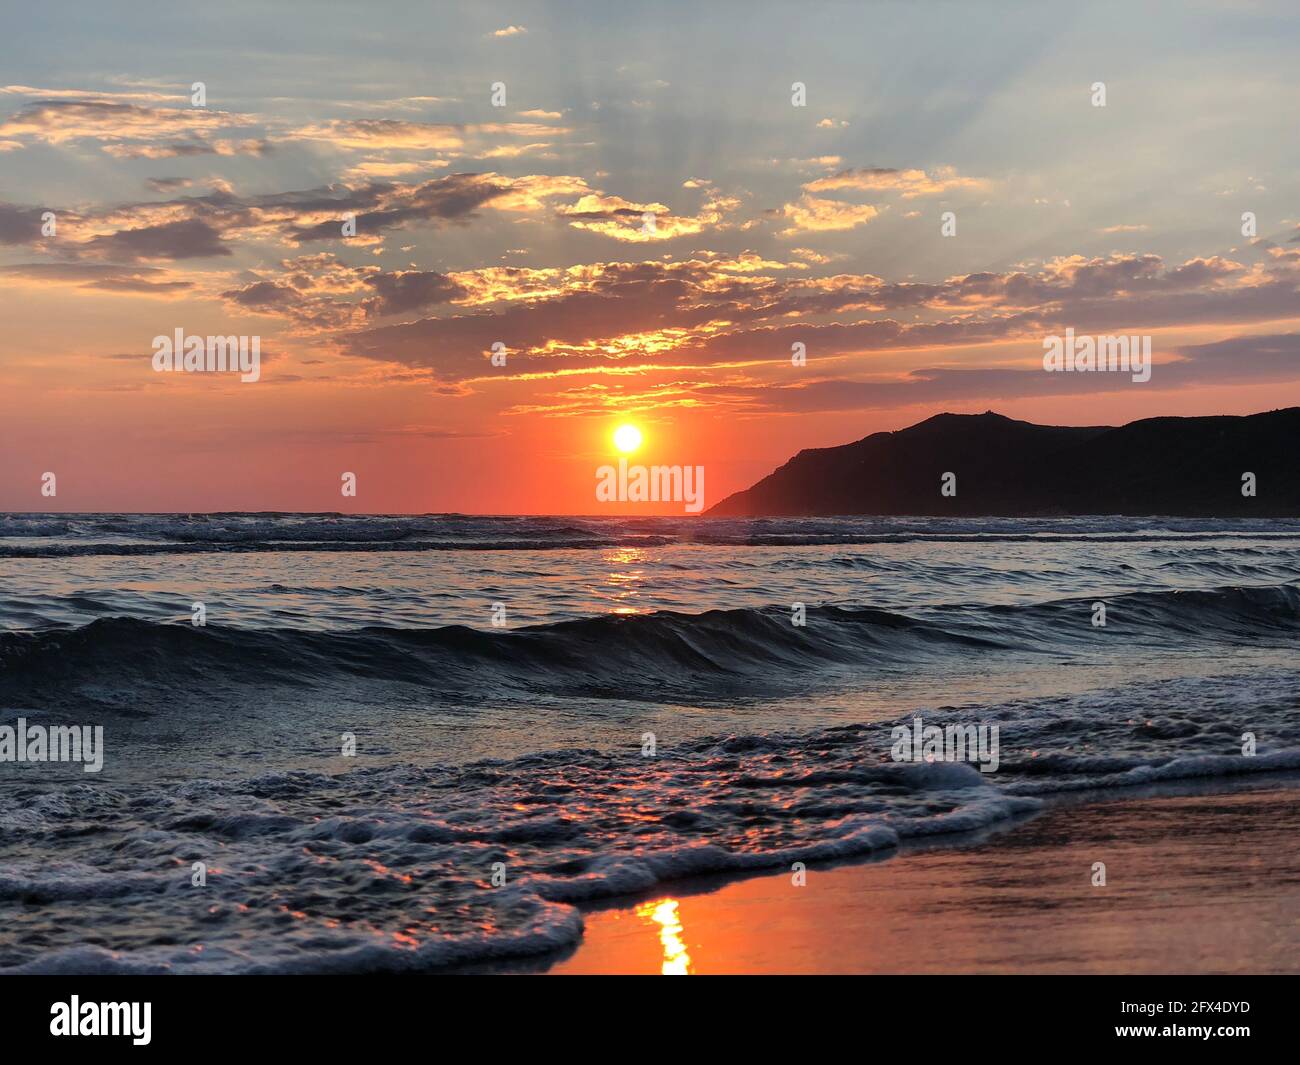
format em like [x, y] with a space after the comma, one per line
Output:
[627, 438]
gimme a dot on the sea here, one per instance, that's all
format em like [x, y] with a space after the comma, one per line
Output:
[393, 743]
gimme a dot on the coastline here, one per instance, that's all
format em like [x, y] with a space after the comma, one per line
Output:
[1197, 881]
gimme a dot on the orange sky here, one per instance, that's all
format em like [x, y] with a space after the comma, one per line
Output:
[646, 233]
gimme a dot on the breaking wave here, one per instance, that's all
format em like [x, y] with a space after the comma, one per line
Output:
[733, 652]
[391, 868]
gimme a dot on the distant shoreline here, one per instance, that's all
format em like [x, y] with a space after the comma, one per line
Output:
[984, 465]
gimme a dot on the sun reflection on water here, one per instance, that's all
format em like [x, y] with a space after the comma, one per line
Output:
[677, 961]
[626, 576]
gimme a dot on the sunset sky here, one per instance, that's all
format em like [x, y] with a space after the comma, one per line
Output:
[523, 224]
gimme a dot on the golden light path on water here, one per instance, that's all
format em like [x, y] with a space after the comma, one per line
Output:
[625, 578]
[677, 960]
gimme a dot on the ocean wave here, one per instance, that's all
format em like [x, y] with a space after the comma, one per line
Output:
[89, 535]
[343, 542]
[392, 869]
[657, 656]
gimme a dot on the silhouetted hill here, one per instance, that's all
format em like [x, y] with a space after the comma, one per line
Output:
[1177, 466]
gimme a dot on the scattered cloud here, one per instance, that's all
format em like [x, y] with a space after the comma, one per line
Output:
[909, 183]
[813, 214]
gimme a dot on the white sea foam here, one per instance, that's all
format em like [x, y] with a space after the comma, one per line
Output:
[390, 868]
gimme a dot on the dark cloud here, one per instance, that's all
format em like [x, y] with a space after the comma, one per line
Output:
[210, 224]
[455, 344]
[409, 290]
[381, 207]
[764, 315]
[190, 239]
[77, 271]
[20, 225]
[1240, 360]
[182, 149]
[130, 279]
[127, 284]
[264, 295]
[1269, 357]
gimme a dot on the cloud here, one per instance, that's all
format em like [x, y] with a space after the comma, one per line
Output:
[510, 31]
[385, 133]
[20, 225]
[823, 161]
[812, 214]
[394, 134]
[409, 290]
[613, 216]
[57, 122]
[611, 314]
[1239, 360]
[815, 213]
[532, 193]
[382, 169]
[315, 292]
[380, 207]
[136, 286]
[150, 96]
[264, 295]
[513, 151]
[814, 256]
[252, 146]
[219, 222]
[189, 239]
[910, 183]
[130, 280]
[747, 311]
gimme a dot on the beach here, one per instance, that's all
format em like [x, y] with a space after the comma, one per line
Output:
[1199, 883]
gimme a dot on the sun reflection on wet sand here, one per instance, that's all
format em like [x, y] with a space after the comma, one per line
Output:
[677, 961]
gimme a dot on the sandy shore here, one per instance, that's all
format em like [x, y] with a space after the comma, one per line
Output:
[1194, 884]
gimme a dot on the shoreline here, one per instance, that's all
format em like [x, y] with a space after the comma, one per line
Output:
[1198, 880]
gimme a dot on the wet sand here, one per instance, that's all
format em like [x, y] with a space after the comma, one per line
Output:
[1194, 884]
